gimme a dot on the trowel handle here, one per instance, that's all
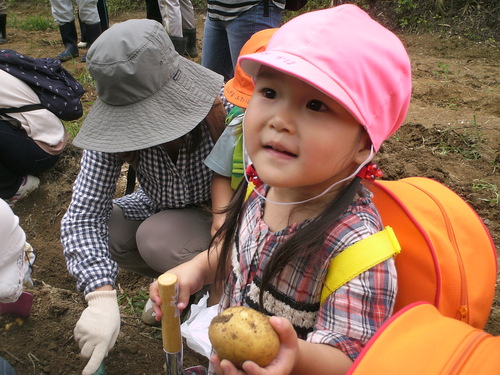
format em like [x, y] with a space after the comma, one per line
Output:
[170, 321]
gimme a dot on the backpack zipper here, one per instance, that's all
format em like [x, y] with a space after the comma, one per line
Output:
[463, 310]
[465, 354]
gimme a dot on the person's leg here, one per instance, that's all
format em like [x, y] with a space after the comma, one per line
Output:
[19, 156]
[3, 22]
[153, 11]
[83, 34]
[6, 368]
[102, 9]
[172, 17]
[123, 246]
[248, 23]
[62, 11]
[172, 21]
[172, 237]
[188, 16]
[87, 11]
[189, 27]
[215, 54]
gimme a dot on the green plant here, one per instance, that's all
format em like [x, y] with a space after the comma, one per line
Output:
[452, 104]
[33, 23]
[133, 304]
[407, 15]
[489, 188]
[83, 76]
[73, 127]
[443, 69]
[465, 141]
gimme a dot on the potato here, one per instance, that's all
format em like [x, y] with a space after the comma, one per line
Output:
[240, 333]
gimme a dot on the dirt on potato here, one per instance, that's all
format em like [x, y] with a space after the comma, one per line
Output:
[451, 134]
[241, 334]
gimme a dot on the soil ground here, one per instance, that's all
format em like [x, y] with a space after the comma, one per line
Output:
[451, 134]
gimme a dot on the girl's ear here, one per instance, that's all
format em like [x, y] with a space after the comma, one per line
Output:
[364, 149]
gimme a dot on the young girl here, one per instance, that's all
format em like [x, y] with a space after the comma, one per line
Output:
[331, 86]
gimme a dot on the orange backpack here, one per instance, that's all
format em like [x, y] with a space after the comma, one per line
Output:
[419, 340]
[447, 255]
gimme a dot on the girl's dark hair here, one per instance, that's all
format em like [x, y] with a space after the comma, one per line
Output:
[310, 236]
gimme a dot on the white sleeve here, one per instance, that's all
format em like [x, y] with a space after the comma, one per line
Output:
[12, 241]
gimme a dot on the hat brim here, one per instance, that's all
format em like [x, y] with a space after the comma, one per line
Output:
[296, 66]
[173, 111]
[235, 96]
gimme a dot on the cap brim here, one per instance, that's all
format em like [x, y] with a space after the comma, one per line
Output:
[173, 111]
[303, 70]
[234, 96]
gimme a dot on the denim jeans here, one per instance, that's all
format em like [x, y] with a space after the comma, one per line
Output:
[19, 156]
[222, 40]
[6, 368]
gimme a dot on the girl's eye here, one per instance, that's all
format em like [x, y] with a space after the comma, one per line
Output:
[316, 105]
[268, 93]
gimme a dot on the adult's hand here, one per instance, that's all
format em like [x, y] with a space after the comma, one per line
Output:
[98, 328]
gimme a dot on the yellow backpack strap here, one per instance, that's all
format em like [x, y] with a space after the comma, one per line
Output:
[358, 258]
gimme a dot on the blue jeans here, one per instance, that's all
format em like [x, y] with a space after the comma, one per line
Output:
[19, 156]
[6, 368]
[222, 40]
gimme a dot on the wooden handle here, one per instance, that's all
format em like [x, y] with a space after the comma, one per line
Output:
[170, 321]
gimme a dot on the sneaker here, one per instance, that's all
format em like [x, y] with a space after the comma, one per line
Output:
[82, 45]
[29, 184]
[148, 315]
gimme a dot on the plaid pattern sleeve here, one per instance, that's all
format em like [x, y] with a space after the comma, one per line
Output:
[84, 230]
[163, 185]
[352, 315]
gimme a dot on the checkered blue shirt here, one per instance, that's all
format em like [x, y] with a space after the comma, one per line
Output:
[163, 185]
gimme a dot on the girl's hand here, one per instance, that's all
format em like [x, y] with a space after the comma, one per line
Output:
[190, 281]
[284, 362]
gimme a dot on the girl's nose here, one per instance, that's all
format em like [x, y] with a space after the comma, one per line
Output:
[283, 119]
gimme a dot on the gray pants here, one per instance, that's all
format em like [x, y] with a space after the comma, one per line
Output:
[160, 242]
[177, 15]
[62, 11]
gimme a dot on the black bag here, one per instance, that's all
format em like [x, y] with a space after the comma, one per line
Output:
[295, 5]
[56, 88]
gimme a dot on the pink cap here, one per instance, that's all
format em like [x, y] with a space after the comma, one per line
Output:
[350, 57]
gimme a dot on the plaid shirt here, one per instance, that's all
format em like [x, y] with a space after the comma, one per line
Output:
[163, 185]
[350, 315]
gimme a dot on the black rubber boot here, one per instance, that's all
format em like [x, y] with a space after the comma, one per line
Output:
[69, 38]
[3, 28]
[190, 35]
[93, 32]
[179, 43]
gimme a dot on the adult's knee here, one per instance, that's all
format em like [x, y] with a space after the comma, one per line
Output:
[173, 237]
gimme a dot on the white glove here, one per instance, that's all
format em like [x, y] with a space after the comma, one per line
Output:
[98, 328]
